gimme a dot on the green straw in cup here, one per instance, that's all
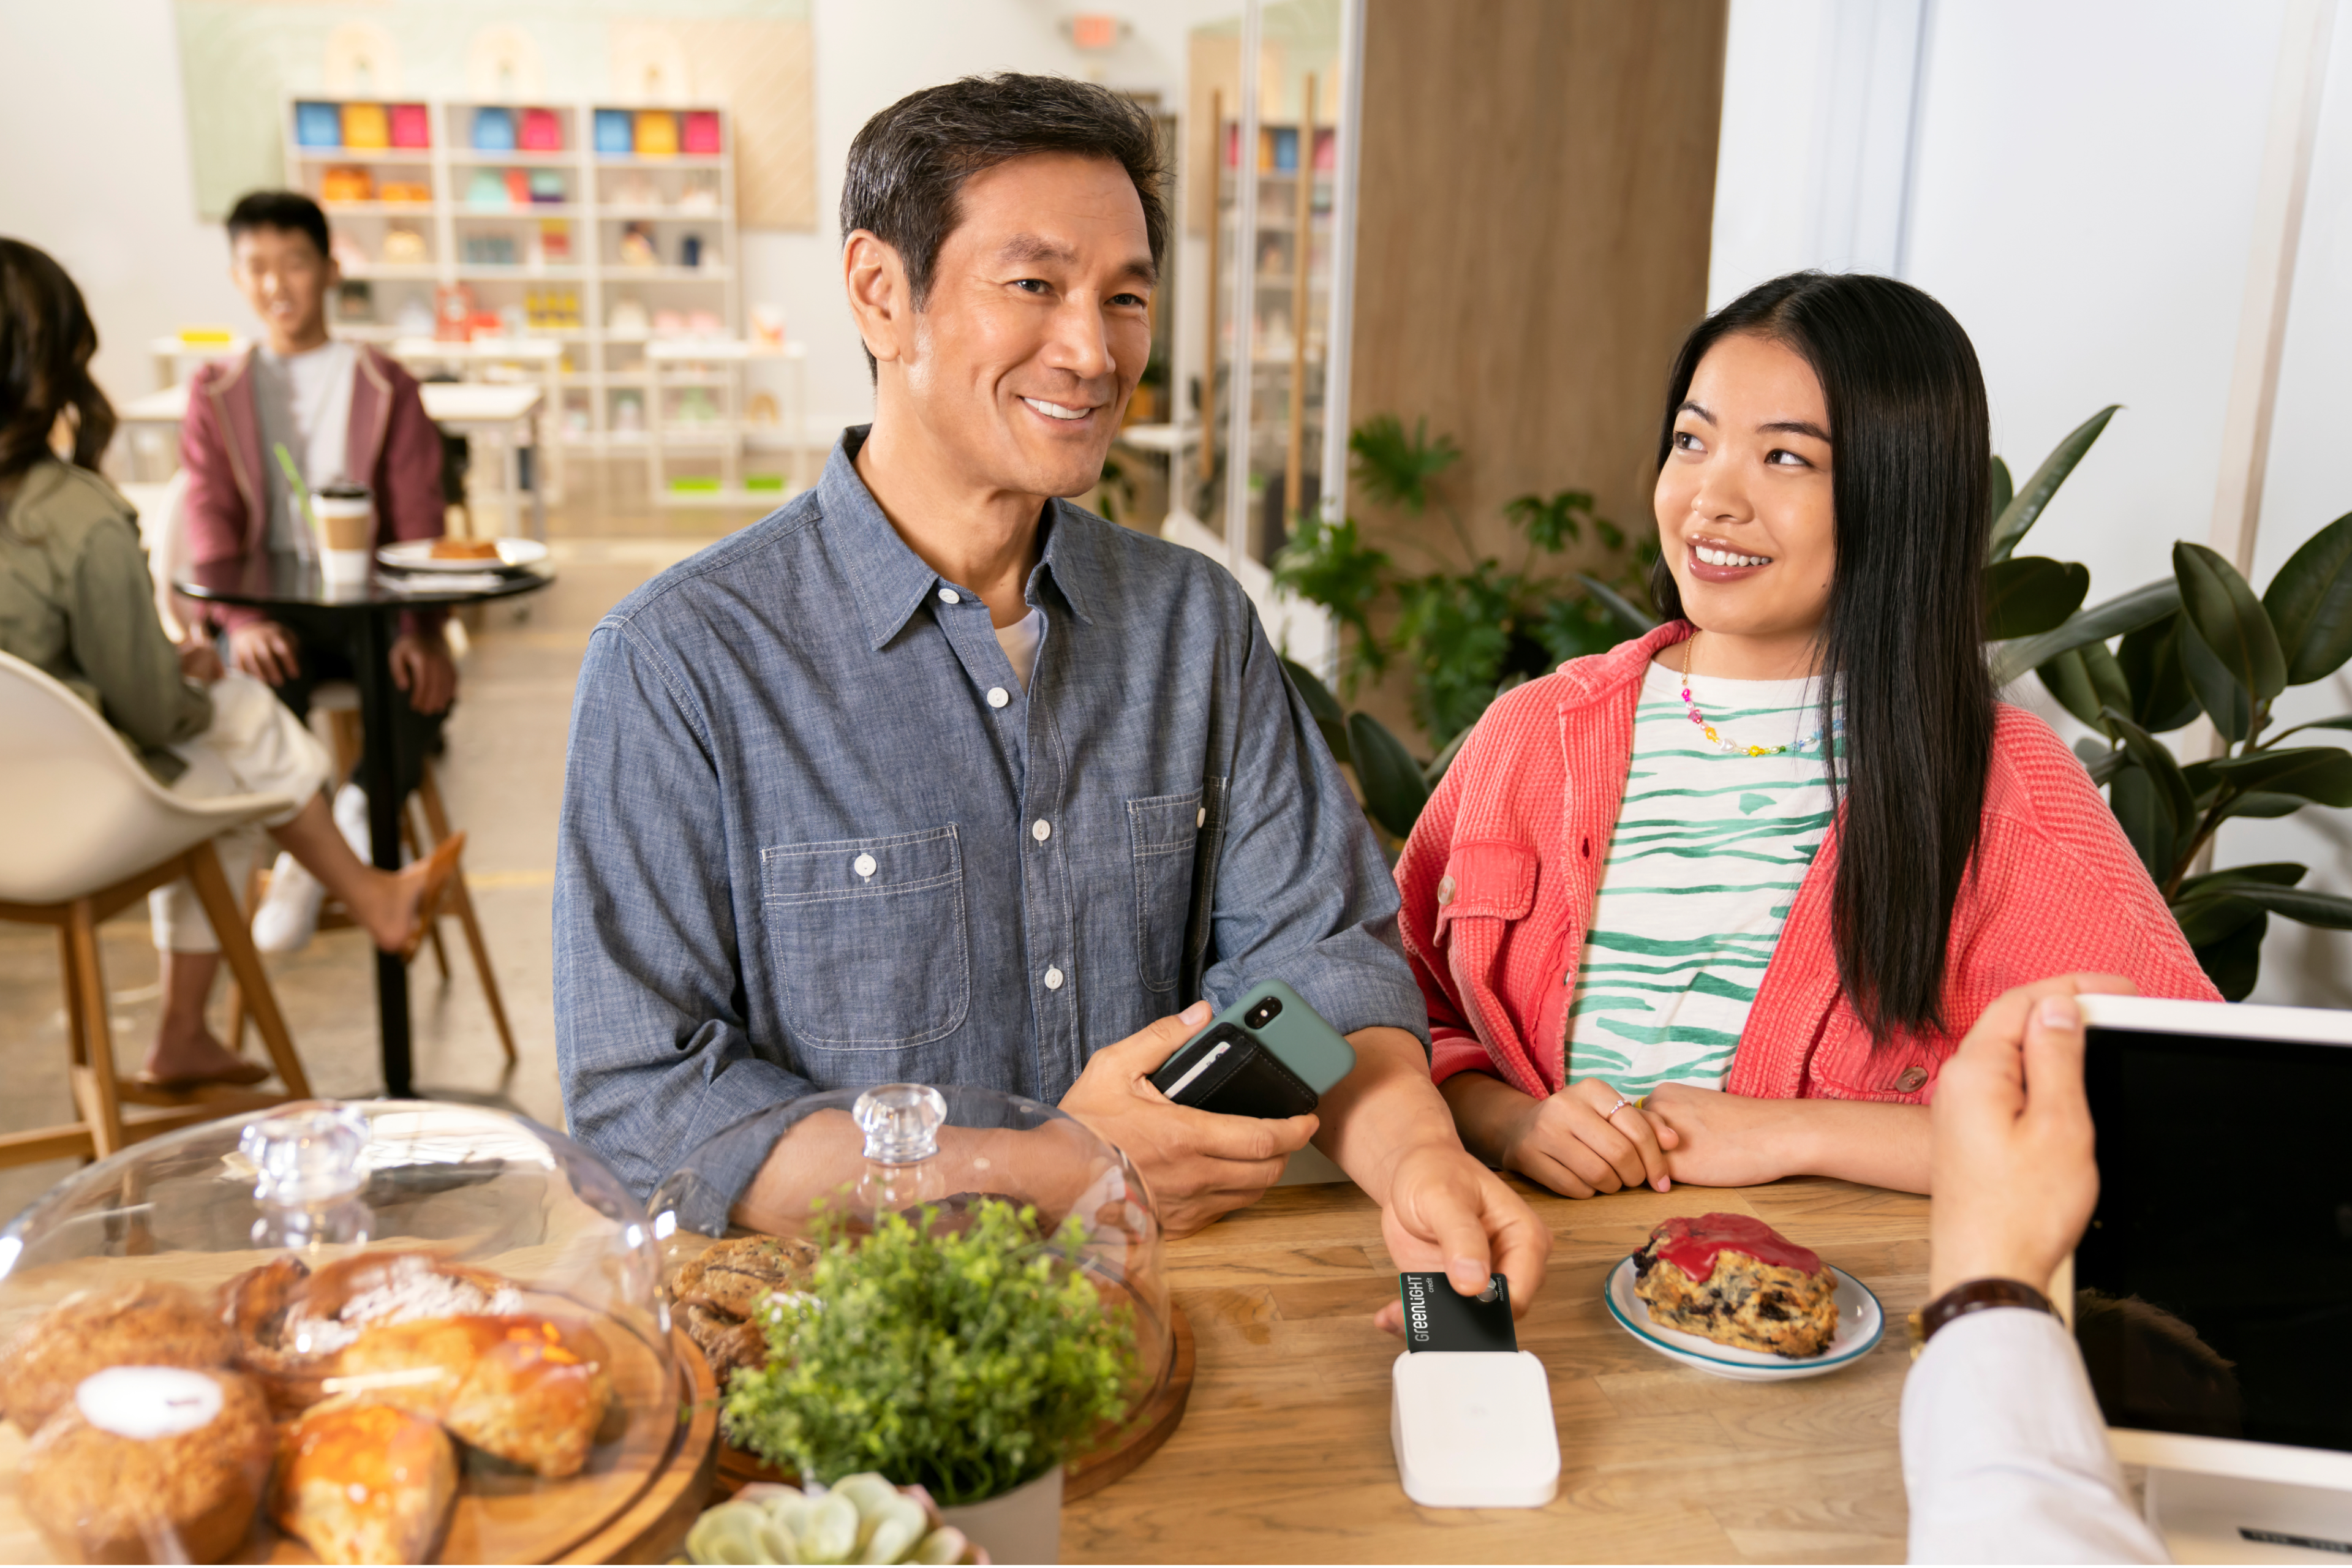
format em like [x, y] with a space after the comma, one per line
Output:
[301, 490]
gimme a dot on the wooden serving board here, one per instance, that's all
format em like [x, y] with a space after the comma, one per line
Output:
[646, 1479]
[1085, 1475]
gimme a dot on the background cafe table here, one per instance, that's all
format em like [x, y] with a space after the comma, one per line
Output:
[290, 589]
[1284, 1455]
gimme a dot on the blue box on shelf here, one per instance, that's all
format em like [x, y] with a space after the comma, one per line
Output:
[317, 125]
[494, 130]
[617, 134]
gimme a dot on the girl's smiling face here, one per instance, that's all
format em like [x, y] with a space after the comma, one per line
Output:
[1745, 516]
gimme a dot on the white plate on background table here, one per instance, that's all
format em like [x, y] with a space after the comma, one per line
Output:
[1861, 1321]
[416, 555]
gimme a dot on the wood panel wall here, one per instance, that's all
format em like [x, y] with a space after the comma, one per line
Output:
[1538, 191]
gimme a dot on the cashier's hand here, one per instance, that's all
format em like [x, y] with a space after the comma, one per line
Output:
[2012, 1173]
[263, 650]
[1445, 1210]
[1197, 1165]
[421, 667]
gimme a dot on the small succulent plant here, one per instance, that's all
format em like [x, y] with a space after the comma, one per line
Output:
[862, 1518]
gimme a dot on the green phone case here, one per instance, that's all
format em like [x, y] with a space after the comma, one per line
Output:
[1297, 1036]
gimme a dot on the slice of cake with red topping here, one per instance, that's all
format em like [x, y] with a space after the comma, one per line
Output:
[1735, 1280]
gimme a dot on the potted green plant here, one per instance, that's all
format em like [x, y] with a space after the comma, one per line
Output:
[962, 1350]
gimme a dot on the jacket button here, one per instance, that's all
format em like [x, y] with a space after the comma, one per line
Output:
[1910, 1081]
[1445, 889]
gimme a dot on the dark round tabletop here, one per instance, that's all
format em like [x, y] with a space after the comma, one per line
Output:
[280, 580]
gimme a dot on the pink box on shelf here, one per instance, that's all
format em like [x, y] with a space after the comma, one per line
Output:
[411, 126]
[701, 131]
[542, 132]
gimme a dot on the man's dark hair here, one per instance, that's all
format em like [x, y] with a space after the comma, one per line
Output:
[288, 210]
[910, 161]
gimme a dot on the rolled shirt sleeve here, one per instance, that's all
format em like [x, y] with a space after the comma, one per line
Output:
[651, 1037]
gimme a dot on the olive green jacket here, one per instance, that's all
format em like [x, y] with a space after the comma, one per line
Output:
[76, 603]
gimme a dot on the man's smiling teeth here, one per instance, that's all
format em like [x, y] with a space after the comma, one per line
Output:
[1055, 410]
[1714, 557]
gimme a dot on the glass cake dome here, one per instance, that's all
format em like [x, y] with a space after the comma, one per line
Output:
[441, 1324]
[821, 1170]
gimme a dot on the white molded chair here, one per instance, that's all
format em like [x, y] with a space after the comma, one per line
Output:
[84, 830]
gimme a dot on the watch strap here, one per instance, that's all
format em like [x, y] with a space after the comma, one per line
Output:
[1973, 1296]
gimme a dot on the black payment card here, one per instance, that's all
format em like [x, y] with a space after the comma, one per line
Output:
[1436, 1317]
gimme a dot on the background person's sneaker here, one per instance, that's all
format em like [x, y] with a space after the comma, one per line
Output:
[290, 912]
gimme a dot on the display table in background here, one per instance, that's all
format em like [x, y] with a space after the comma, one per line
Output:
[1284, 1456]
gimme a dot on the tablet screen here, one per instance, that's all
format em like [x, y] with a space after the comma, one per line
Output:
[2213, 1288]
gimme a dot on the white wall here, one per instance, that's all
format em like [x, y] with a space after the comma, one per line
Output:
[94, 164]
[2078, 187]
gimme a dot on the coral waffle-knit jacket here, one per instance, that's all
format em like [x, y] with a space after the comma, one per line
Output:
[1499, 877]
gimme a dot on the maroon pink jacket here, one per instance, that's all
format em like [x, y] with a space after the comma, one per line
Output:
[1499, 877]
[390, 441]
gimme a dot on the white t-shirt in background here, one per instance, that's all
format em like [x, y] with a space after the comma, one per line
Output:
[304, 402]
[1020, 642]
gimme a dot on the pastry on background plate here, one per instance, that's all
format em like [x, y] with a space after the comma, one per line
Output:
[150, 1464]
[447, 549]
[150, 1322]
[360, 1481]
[1734, 1280]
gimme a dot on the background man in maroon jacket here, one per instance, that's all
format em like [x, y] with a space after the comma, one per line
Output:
[342, 413]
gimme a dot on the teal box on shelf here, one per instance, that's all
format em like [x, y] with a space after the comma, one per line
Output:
[494, 130]
[318, 125]
[546, 185]
[487, 188]
[617, 134]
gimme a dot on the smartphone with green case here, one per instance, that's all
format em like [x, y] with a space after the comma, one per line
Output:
[1269, 1055]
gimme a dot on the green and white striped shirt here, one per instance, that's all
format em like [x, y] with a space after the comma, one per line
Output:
[1709, 850]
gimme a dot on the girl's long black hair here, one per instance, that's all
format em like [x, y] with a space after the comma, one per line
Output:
[1902, 650]
[45, 343]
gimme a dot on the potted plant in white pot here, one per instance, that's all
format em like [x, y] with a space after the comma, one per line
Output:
[962, 1350]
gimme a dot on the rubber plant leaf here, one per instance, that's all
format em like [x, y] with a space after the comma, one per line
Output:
[1393, 791]
[2218, 693]
[2086, 681]
[2221, 607]
[2320, 773]
[2150, 657]
[2269, 873]
[1623, 610]
[1329, 717]
[2235, 963]
[2025, 508]
[2002, 490]
[2310, 604]
[2124, 613]
[2149, 755]
[2144, 815]
[2031, 595]
[2329, 911]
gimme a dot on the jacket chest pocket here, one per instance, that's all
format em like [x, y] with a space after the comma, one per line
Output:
[1163, 832]
[869, 939]
[1486, 887]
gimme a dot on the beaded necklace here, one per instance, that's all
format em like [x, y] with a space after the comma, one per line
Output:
[1733, 748]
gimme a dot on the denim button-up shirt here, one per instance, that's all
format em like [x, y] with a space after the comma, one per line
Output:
[816, 834]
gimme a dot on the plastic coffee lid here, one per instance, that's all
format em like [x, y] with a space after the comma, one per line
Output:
[342, 492]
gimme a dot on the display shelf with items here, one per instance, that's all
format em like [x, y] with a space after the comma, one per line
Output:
[608, 229]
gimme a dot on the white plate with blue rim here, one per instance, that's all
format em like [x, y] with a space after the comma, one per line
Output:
[1861, 1322]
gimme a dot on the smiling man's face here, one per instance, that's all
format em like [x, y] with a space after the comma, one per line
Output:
[1020, 363]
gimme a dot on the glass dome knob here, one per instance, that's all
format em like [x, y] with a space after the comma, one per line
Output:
[901, 1123]
[307, 1176]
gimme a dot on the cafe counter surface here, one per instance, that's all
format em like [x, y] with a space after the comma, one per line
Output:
[1284, 1454]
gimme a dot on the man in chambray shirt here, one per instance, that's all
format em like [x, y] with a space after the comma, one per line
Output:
[921, 778]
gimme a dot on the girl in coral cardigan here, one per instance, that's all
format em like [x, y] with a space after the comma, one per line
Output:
[1716, 905]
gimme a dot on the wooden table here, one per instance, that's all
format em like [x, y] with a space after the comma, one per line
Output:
[1284, 1455]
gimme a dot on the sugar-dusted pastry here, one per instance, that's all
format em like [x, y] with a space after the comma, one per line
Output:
[1735, 1280]
[362, 1482]
[291, 1322]
[150, 1464]
[150, 1322]
[529, 1390]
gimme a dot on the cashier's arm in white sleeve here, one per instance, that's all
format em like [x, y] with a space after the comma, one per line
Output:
[2005, 1458]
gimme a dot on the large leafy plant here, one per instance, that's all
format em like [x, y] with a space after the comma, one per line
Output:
[967, 1357]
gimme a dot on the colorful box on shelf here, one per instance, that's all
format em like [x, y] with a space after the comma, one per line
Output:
[656, 134]
[486, 188]
[318, 125]
[616, 135]
[411, 126]
[699, 132]
[547, 185]
[409, 192]
[542, 132]
[365, 128]
[345, 183]
[494, 130]
[694, 484]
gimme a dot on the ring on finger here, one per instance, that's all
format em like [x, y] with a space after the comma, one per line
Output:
[1622, 1101]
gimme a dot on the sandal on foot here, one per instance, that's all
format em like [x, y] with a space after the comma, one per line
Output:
[244, 1074]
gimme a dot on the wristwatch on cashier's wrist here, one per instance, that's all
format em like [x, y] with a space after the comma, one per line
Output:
[1972, 1295]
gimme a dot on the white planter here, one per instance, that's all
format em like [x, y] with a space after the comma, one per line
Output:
[1023, 1525]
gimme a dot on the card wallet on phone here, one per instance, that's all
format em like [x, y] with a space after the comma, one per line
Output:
[1231, 1073]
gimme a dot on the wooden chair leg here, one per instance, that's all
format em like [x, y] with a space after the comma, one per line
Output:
[417, 851]
[429, 796]
[343, 724]
[255, 882]
[203, 870]
[93, 1070]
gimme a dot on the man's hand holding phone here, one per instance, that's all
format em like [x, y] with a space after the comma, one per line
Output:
[1199, 1165]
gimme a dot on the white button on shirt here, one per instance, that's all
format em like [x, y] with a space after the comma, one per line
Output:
[1052, 980]
[949, 596]
[863, 865]
[998, 697]
[1041, 831]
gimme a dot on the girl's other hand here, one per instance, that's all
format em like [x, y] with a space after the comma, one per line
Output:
[1573, 1143]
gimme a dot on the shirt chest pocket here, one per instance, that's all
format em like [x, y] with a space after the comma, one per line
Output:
[869, 939]
[1163, 832]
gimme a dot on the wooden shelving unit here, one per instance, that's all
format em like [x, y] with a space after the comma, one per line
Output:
[608, 394]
